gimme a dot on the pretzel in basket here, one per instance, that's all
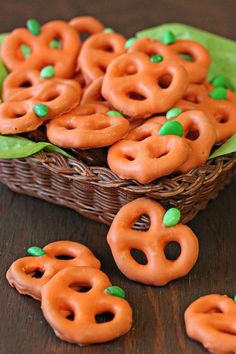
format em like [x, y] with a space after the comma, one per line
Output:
[88, 126]
[74, 300]
[222, 112]
[29, 274]
[132, 159]
[86, 24]
[201, 136]
[158, 270]
[196, 65]
[28, 107]
[97, 53]
[211, 320]
[92, 93]
[139, 88]
[41, 53]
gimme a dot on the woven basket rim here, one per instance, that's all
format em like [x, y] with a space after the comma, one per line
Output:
[78, 170]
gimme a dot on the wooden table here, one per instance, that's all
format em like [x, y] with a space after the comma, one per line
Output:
[158, 312]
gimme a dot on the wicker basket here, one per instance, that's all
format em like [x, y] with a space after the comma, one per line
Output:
[98, 194]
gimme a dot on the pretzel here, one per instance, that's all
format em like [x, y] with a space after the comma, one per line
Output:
[201, 136]
[122, 238]
[197, 68]
[221, 112]
[133, 85]
[86, 24]
[17, 113]
[21, 273]
[83, 131]
[61, 297]
[92, 93]
[211, 320]
[63, 59]
[97, 53]
[132, 159]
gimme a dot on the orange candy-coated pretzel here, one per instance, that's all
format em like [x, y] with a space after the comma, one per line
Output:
[158, 270]
[197, 68]
[97, 53]
[134, 85]
[17, 113]
[61, 297]
[221, 112]
[80, 130]
[86, 24]
[201, 136]
[63, 59]
[21, 273]
[211, 320]
[149, 159]
[92, 93]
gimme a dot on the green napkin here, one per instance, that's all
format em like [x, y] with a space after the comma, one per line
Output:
[16, 147]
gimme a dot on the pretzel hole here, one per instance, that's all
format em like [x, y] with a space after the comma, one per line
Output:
[222, 117]
[192, 134]
[215, 309]
[186, 56]
[67, 313]
[84, 35]
[136, 96]
[138, 256]
[81, 288]
[64, 257]
[26, 84]
[192, 98]
[107, 47]
[36, 273]
[143, 222]
[104, 317]
[172, 251]
[164, 81]
[129, 157]
[71, 316]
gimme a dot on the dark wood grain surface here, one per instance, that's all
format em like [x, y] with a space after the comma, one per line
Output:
[158, 312]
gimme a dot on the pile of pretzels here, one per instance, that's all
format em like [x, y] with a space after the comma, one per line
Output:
[148, 101]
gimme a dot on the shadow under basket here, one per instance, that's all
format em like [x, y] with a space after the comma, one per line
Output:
[98, 194]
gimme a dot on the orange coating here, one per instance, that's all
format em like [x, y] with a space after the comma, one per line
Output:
[196, 69]
[17, 115]
[61, 296]
[86, 24]
[63, 59]
[92, 93]
[97, 53]
[221, 112]
[211, 320]
[133, 85]
[201, 136]
[96, 129]
[150, 127]
[122, 238]
[20, 273]
[149, 159]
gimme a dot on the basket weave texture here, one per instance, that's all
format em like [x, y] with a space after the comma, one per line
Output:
[98, 194]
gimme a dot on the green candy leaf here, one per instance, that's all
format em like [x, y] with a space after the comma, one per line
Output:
[227, 148]
[171, 217]
[156, 58]
[173, 112]
[35, 251]
[115, 291]
[172, 128]
[130, 42]
[219, 93]
[235, 298]
[108, 30]
[18, 147]
[114, 114]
